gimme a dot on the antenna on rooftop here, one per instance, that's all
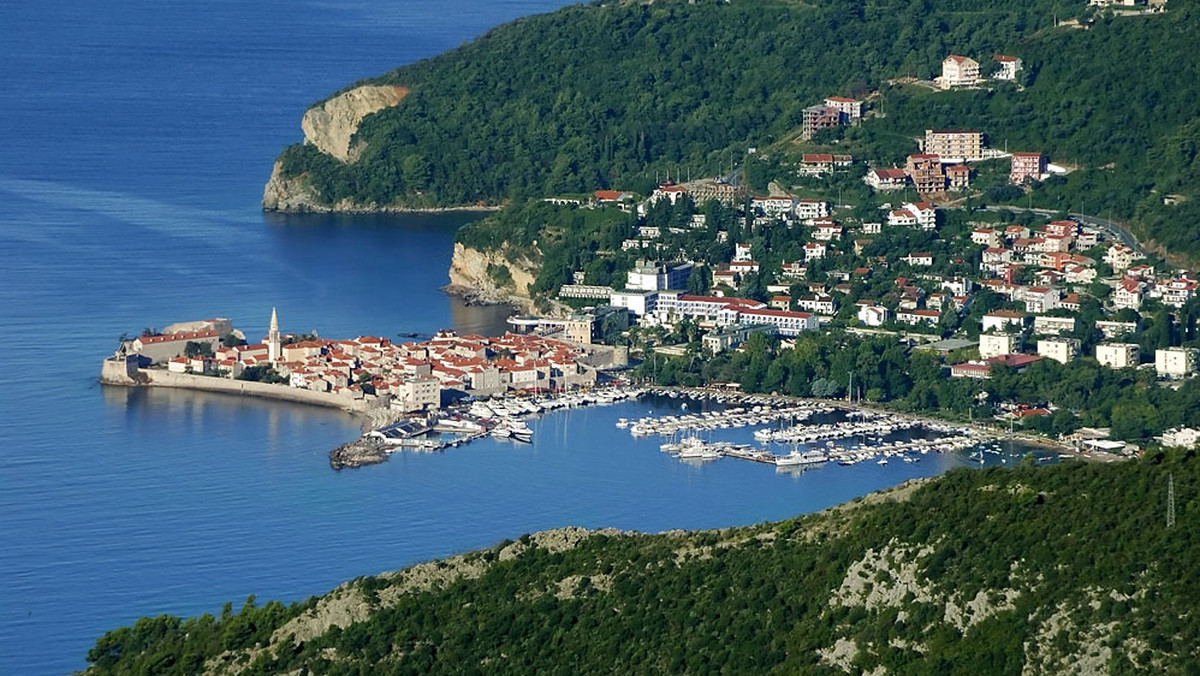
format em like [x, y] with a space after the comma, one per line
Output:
[1171, 500]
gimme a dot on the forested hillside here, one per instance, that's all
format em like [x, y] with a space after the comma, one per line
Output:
[1031, 570]
[607, 94]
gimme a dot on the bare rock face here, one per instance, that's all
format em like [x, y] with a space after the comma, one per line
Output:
[469, 277]
[289, 193]
[330, 126]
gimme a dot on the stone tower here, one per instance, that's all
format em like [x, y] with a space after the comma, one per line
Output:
[273, 346]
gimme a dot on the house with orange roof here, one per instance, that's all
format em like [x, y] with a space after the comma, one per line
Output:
[959, 71]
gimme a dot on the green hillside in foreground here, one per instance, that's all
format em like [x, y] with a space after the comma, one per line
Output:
[605, 95]
[1030, 570]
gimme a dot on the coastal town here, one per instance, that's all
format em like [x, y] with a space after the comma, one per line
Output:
[924, 259]
[359, 374]
[980, 288]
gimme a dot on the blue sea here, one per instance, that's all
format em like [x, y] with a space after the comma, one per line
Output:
[135, 139]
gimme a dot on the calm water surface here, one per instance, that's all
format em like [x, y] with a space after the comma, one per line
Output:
[136, 139]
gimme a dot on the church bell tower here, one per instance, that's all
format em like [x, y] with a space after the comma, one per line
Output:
[273, 346]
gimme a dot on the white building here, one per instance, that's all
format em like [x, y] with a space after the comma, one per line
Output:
[1120, 257]
[1181, 437]
[927, 317]
[786, 323]
[774, 205]
[807, 210]
[959, 71]
[1175, 362]
[851, 109]
[654, 277]
[872, 315]
[1002, 320]
[1009, 67]
[1053, 325]
[1118, 355]
[1061, 350]
[639, 303]
[996, 344]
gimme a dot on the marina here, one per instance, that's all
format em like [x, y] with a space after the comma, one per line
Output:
[819, 433]
[811, 433]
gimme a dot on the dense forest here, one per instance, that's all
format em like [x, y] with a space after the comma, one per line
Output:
[1030, 570]
[611, 95]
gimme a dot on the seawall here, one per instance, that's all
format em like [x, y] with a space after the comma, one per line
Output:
[187, 381]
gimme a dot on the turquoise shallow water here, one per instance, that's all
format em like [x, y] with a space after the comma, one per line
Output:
[137, 137]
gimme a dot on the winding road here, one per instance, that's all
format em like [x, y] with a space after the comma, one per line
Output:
[1114, 230]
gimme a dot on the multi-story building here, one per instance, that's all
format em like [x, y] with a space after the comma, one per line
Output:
[1175, 362]
[1128, 294]
[773, 205]
[817, 118]
[958, 177]
[1111, 329]
[1039, 299]
[729, 195]
[1177, 292]
[1118, 355]
[872, 315]
[656, 277]
[785, 323]
[959, 71]
[809, 209]
[919, 214]
[851, 109]
[814, 250]
[731, 336]
[1009, 67]
[1026, 167]
[639, 303]
[986, 237]
[925, 171]
[1053, 325]
[1061, 350]
[1002, 320]
[954, 144]
[1120, 257]
[886, 180]
[927, 317]
[996, 344]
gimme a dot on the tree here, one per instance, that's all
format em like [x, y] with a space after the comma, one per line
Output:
[197, 349]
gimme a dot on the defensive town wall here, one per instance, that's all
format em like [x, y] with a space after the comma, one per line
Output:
[119, 371]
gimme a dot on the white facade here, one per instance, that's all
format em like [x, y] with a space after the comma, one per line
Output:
[1181, 437]
[811, 209]
[1001, 320]
[1118, 355]
[786, 323]
[873, 315]
[959, 71]
[639, 303]
[996, 344]
[1175, 362]
[1053, 325]
[1061, 350]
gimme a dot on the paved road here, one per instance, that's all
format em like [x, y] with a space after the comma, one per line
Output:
[1114, 230]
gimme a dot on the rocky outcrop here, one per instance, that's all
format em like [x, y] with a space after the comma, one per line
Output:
[470, 277]
[331, 125]
[290, 193]
[357, 453]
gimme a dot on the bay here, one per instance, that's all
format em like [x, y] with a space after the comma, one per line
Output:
[136, 138]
